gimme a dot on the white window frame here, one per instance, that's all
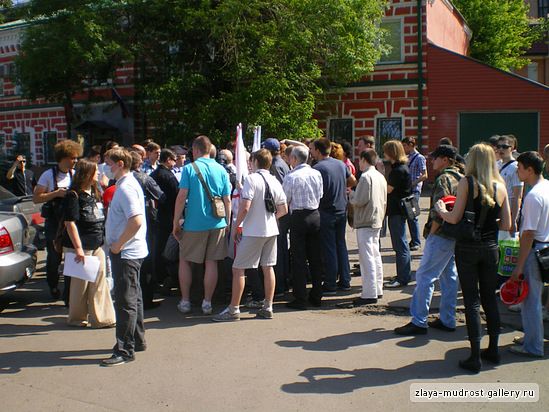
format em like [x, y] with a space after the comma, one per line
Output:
[402, 57]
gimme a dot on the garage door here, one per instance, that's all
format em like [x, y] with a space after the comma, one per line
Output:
[478, 127]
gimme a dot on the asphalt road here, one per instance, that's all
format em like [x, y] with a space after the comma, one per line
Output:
[325, 359]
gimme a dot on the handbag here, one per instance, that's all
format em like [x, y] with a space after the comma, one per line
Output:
[171, 250]
[466, 230]
[542, 257]
[218, 207]
[270, 204]
[411, 208]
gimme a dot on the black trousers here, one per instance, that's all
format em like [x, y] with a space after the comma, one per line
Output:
[53, 259]
[128, 305]
[282, 268]
[306, 246]
[477, 265]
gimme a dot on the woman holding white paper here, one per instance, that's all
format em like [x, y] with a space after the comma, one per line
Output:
[89, 302]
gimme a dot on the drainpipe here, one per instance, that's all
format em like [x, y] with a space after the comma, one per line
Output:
[419, 72]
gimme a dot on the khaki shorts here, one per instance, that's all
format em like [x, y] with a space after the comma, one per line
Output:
[197, 247]
[253, 251]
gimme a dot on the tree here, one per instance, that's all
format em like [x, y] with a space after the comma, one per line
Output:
[211, 64]
[501, 31]
[66, 47]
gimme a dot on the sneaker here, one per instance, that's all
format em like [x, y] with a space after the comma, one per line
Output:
[206, 308]
[515, 308]
[519, 340]
[116, 360]
[410, 330]
[394, 284]
[414, 248]
[227, 316]
[344, 288]
[437, 324]
[254, 304]
[264, 314]
[184, 307]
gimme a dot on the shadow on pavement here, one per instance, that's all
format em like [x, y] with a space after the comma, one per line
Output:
[14, 362]
[338, 381]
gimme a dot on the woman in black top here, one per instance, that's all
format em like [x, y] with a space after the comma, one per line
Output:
[84, 221]
[477, 261]
[399, 186]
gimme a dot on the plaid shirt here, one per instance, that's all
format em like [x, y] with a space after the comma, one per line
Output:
[446, 184]
[303, 188]
[146, 167]
[417, 165]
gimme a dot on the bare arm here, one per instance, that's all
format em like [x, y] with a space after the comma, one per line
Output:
[41, 195]
[243, 209]
[178, 212]
[281, 210]
[227, 203]
[390, 189]
[290, 142]
[351, 181]
[459, 207]
[421, 178]
[505, 222]
[133, 225]
[72, 231]
[526, 241]
[515, 207]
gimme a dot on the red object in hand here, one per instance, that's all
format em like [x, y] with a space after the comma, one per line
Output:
[513, 292]
[108, 195]
[449, 201]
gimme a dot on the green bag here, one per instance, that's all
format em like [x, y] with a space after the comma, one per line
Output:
[508, 256]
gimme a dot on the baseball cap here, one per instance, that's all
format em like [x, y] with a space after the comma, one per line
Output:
[444, 150]
[271, 144]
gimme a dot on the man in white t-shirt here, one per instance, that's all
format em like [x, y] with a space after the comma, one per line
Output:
[257, 240]
[51, 189]
[508, 170]
[534, 235]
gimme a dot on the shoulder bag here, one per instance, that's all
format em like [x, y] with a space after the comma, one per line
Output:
[410, 206]
[466, 230]
[61, 230]
[270, 205]
[218, 207]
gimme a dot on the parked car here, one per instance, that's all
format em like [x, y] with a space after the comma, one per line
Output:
[17, 253]
[24, 205]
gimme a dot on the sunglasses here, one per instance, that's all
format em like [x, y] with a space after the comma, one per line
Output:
[503, 146]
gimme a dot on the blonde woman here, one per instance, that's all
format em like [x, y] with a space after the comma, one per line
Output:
[399, 186]
[89, 302]
[477, 261]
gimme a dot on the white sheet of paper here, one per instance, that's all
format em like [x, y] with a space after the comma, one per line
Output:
[87, 271]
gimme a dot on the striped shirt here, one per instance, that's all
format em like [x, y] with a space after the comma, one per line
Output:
[417, 165]
[303, 188]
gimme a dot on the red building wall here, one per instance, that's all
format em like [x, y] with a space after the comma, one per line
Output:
[460, 84]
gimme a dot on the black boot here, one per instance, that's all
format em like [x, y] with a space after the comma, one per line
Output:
[472, 363]
[491, 354]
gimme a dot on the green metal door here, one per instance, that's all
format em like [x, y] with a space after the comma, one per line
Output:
[478, 127]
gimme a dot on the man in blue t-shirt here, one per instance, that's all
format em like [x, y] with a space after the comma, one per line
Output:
[202, 238]
[333, 205]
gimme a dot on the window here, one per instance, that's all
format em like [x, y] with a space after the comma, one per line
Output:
[388, 129]
[533, 71]
[49, 140]
[393, 38]
[341, 130]
[1, 86]
[543, 8]
[3, 150]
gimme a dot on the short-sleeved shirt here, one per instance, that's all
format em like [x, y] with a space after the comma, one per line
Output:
[198, 214]
[334, 181]
[258, 222]
[63, 179]
[128, 201]
[510, 176]
[401, 181]
[87, 213]
[417, 166]
[22, 182]
[535, 211]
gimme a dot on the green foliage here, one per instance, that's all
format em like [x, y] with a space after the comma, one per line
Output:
[206, 65]
[501, 31]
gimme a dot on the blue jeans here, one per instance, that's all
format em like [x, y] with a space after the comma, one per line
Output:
[532, 322]
[334, 250]
[397, 228]
[413, 226]
[437, 263]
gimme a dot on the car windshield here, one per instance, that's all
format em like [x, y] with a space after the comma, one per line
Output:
[5, 194]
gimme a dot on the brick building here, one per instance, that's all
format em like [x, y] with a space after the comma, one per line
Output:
[428, 87]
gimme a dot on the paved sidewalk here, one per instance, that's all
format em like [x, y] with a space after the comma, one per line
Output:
[325, 359]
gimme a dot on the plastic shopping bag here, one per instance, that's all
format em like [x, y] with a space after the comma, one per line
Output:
[508, 256]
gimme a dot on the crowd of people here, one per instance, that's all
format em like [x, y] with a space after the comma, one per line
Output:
[152, 214]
